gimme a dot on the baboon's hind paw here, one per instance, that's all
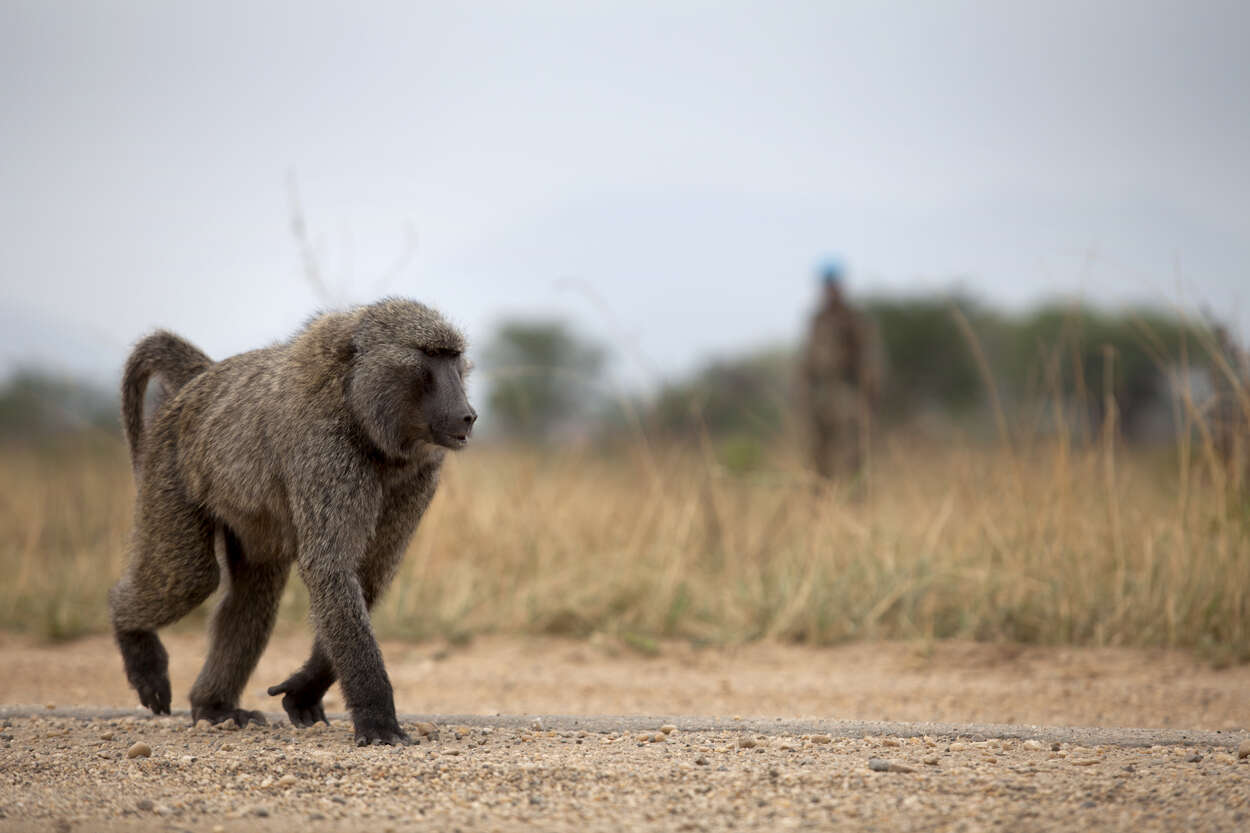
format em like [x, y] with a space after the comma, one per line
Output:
[301, 709]
[220, 714]
[304, 716]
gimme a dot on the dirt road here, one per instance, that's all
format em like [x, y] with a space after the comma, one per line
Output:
[62, 769]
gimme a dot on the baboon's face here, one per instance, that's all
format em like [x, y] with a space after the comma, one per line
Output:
[446, 412]
[406, 382]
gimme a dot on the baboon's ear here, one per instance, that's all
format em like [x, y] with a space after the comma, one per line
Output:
[380, 398]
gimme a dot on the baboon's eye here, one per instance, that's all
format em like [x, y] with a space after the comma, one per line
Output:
[440, 352]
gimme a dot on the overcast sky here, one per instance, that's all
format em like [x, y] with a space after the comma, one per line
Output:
[666, 175]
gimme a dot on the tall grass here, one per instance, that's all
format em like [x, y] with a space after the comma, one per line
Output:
[1052, 543]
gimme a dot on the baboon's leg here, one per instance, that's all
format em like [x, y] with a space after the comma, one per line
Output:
[303, 691]
[172, 569]
[345, 632]
[240, 629]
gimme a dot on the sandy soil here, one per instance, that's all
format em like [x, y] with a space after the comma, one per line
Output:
[949, 682]
[61, 772]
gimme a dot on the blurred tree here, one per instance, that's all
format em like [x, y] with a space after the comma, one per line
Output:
[740, 404]
[543, 378]
[744, 395]
[37, 404]
[1065, 352]
[1055, 355]
[928, 361]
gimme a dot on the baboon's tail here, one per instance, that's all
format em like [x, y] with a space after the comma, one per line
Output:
[176, 360]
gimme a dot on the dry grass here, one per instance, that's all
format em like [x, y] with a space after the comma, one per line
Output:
[1060, 546]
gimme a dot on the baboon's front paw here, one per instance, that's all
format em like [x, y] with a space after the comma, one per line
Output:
[220, 714]
[146, 665]
[380, 732]
[154, 693]
[302, 709]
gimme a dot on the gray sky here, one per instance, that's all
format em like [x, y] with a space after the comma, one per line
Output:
[666, 175]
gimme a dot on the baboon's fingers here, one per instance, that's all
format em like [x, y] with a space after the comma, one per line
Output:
[301, 713]
[155, 695]
[220, 714]
[399, 738]
[380, 731]
[146, 664]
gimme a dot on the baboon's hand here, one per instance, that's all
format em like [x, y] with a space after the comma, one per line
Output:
[155, 694]
[302, 707]
[147, 668]
[380, 731]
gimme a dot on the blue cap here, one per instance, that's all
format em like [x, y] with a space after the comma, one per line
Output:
[831, 270]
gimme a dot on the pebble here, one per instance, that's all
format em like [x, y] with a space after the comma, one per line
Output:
[1243, 750]
[287, 780]
[139, 750]
[144, 804]
[882, 765]
[745, 742]
[429, 730]
[203, 725]
[821, 739]
[228, 725]
[700, 761]
[668, 728]
[1032, 744]
[931, 760]
[106, 736]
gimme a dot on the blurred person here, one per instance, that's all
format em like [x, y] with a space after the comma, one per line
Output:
[838, 379]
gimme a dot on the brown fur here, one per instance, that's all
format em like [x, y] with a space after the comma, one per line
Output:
[324, 452]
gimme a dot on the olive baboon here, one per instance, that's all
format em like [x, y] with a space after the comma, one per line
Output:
[323, 451]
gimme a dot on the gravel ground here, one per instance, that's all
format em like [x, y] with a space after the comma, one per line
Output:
[70, 767]
[66, 773]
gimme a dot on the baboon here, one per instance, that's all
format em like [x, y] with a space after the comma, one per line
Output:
[323, 451]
